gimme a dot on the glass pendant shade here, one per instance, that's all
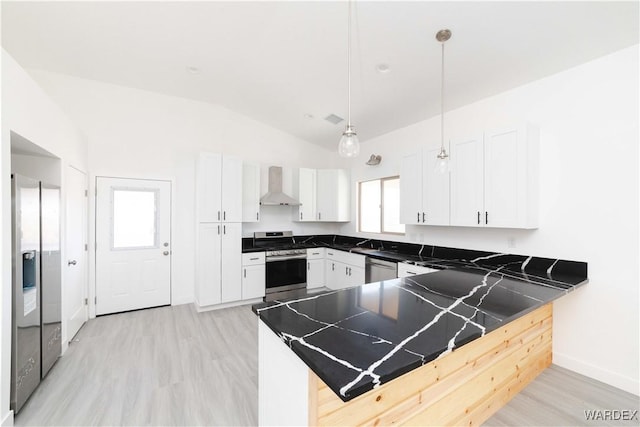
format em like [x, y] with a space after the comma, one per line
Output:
[442, 162]
[349, 145]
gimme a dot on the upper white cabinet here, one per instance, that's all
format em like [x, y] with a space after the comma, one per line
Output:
[324, 194]
[219, 188]
[424, 192]
[494, 179]
[250, 192]
[332, 195]
[304, 189]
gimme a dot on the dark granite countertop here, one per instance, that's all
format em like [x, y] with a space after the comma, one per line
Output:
[357, 338]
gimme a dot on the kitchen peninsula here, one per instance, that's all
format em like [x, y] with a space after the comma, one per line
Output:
[449, 347]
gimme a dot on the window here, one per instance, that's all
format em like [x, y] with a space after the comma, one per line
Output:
[133, 219]
[379, 206]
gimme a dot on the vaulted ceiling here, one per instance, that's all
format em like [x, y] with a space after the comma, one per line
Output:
[284, 63]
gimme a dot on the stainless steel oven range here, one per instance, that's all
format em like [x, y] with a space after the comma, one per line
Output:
[286, 264]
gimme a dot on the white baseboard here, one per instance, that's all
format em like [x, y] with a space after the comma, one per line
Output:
[182, 300]
[7, 420]
[628, 384]
[200, 309]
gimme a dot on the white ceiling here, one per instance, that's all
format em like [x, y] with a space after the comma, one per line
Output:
[277, 61]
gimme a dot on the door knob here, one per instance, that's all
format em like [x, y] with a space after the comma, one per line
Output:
[165, 244]
[165, 253]
[72, 262]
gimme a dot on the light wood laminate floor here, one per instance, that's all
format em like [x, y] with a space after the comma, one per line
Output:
[174, 366]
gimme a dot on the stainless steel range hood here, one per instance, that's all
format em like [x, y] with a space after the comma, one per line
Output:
[275, 196]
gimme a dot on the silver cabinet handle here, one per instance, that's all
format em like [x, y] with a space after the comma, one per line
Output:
[245, 273]
[72, 262]
[165, 253]
[320, 215]
[253, 259]
[257, 216]
[218, 215]
[418, 217]
[300, 216]
[411, 272]
[346, 271]
[422, 216]
[486, 217]
[224, 229]
[308, 266]
[333, 267]
[224, 215]
[218, 229]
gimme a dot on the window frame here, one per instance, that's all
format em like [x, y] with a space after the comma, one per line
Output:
[359, 206]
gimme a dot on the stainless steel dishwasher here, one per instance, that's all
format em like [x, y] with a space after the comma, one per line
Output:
[376, 270]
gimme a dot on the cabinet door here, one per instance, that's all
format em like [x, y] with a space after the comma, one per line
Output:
[467, 186]
[231, 261]
[304, 189]
[208, 289]
[435, 190]
[411, 189]
[505, 178]
[209, 187]
[315, 273]
[355, 276]
[334, 275]
[332, 195]
[253, 281]
[250, 192]
[231, 189]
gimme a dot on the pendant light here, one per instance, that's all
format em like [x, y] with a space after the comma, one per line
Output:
[442, 160]
[349, 145]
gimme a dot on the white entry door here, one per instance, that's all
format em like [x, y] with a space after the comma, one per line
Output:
[75, 287]
[133, 246]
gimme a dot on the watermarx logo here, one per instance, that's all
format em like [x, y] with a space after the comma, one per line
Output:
[611, 415]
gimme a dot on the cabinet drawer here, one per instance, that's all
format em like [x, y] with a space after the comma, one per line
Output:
[316, 253]
[253, 258]
[355, 260]
[406, 270]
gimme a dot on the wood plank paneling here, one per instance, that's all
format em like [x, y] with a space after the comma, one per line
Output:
[465, 386]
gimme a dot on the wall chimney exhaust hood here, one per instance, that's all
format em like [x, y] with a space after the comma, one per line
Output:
[275, 196]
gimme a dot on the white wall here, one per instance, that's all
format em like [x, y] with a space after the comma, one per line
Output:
[588, 119]
[28, 112]
[140, 134]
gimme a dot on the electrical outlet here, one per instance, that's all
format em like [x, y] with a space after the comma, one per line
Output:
[511, 242]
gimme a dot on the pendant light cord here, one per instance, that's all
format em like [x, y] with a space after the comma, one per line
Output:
[349, 71]
[442, 103]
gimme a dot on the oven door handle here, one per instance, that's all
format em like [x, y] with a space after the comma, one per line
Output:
[285, 257]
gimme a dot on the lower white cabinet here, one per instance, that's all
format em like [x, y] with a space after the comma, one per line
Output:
[406, 270]
[219, 259]
[315, 268]
[343, 269]
[253, 275]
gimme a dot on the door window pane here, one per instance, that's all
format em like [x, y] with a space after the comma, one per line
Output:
[134, 221]
[370, 206]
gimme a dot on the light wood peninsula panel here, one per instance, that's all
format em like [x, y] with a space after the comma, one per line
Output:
[464, 387]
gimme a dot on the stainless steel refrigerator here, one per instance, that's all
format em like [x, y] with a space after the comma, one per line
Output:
[36, 288]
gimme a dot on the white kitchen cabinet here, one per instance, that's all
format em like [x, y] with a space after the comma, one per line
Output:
[304, 190]
[209, 265]
[250, 192]
[343, 269]
[424, 192]
[494, 179]
[231, 261]
[253, 275]
[219, 261]
[323, 193]
[315, 268]
[219, 188]
[332, 195]
[407, 270]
